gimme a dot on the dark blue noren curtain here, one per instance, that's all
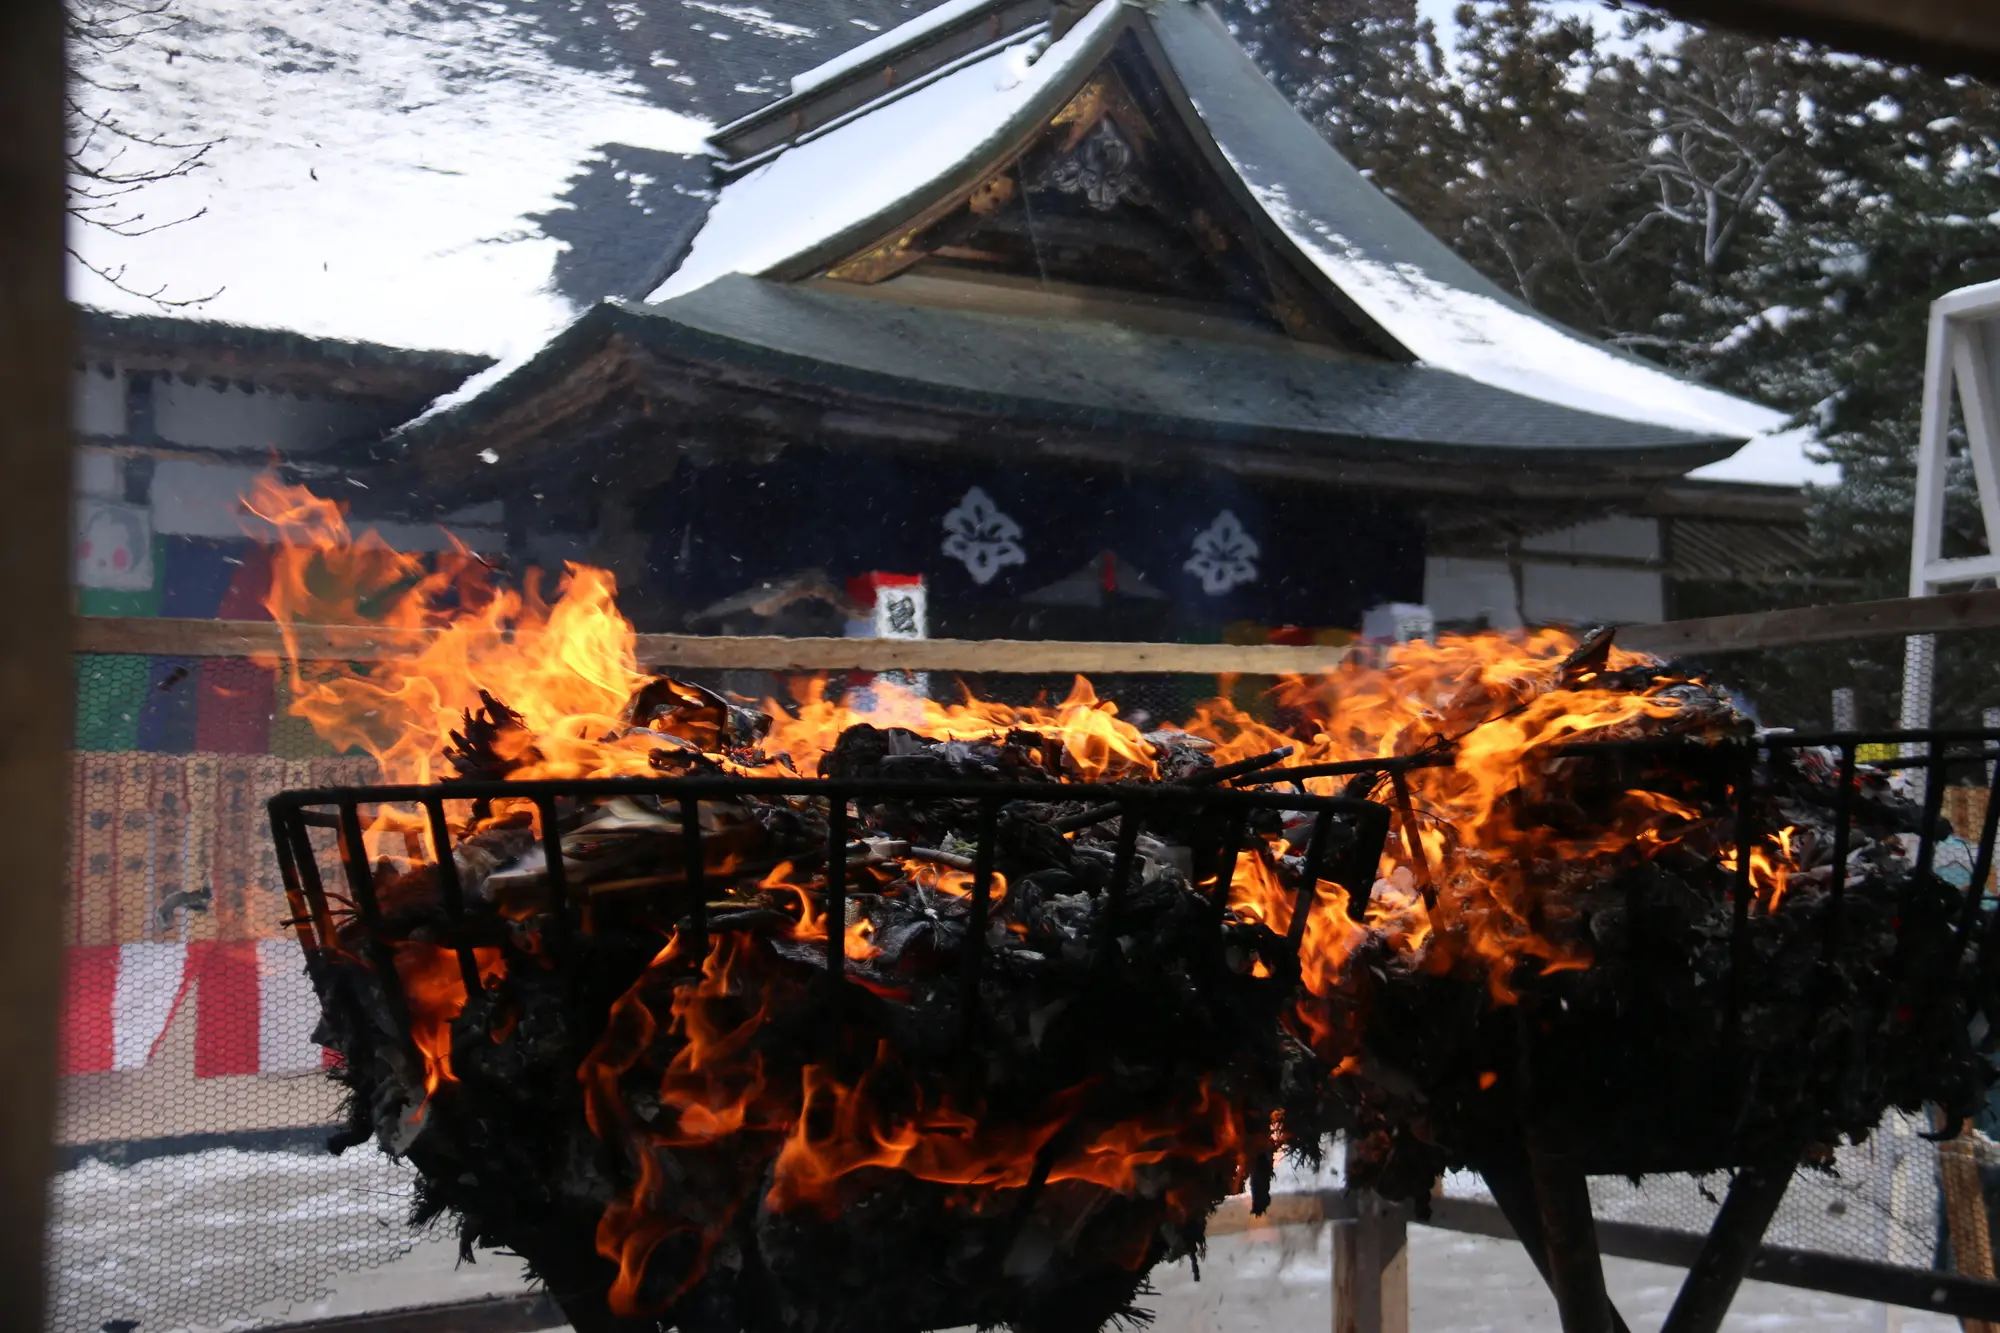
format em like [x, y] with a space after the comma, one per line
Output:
[1221, 547]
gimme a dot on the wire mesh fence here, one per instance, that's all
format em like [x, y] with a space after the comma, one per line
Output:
[195, 1190]
[195, 1185]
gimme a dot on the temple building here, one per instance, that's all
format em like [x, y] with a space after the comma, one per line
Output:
[1071, 313]
[1063, 310]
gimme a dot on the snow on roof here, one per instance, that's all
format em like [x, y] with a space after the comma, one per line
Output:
[1779, 458]
[1421, 294]
[376, 166]
[878, 166]
[1501, 344]
[894, 39]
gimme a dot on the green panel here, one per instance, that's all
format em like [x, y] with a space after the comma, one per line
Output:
[110, 690]
[110, 602]
[293, 737]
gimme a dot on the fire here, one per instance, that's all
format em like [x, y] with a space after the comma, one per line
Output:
[1460, 888]
[844, 1130]
[435, 990]
[1772, 864]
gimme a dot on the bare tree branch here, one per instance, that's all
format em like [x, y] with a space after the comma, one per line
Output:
[112, 164]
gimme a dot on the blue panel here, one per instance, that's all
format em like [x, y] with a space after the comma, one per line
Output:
[198, 571]
[167, 714]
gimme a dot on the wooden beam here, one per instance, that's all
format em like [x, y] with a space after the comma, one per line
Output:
[1947, 36]
[35, 671]
[170, 636]
[1711, 636]
[1837, 1274]
[1892, 617]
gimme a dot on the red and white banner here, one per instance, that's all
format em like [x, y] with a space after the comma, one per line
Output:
[254, 1009]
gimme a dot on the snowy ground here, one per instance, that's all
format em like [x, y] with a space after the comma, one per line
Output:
[229, 1240]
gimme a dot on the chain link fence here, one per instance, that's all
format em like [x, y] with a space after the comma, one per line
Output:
[194, 1185]
[195, 1189]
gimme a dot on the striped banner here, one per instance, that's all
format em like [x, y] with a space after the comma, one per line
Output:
[174, 894]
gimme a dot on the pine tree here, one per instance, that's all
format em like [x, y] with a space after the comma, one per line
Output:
[1369, 74]
[1772, 217]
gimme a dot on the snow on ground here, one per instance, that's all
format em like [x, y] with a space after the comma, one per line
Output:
[229, 1240]
[375, 166]
[200, 1239]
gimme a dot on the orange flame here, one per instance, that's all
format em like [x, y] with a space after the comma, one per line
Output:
[1461, 885]
[435, 989]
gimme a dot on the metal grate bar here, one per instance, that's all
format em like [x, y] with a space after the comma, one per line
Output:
[697, 890]
[453, 894]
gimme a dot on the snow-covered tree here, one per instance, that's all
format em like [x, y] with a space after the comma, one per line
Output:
[1772, 217]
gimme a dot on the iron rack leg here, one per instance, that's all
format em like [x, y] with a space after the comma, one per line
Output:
[1576, 1271]
[1731, 1248]
[1518, 1190]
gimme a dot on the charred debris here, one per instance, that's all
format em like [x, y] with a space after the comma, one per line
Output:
[1008, 1049]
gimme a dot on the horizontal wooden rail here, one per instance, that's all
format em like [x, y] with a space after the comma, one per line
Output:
[1859, 1279]
[1713, 635]
[1894, 616]
[168, 636]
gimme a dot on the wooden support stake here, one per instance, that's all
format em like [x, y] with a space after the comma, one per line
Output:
[1965, 1213]
[1371, 1270]
[1371, 1267]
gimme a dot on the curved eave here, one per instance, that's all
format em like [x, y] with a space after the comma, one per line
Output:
[1082, 379]
[1404, 280]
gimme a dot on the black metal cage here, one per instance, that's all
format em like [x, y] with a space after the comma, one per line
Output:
[1345, 844]
[1539, 1187]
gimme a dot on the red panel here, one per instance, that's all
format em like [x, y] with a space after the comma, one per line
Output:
[233, 707]
[244, 599]
[227, 1013]
[89, 984]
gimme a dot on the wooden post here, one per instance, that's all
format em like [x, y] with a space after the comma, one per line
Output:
[1965, 1213]
[1371, 1269]
[35, 674]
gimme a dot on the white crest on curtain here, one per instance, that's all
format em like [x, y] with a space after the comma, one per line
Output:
[1224, 555]
[983, 538]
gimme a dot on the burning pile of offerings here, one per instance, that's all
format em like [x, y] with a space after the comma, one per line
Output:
[682, 1118]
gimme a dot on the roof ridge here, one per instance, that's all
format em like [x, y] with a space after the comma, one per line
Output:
[881, 69]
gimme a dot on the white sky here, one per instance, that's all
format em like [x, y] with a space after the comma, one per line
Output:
[1441, 12]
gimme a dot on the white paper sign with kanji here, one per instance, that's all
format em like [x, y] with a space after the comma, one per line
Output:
[902, 611]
